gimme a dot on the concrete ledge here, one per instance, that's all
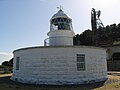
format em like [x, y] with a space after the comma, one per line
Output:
[56, 82]
[69, 46]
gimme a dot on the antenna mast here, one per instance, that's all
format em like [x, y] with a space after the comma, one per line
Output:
[96, 23]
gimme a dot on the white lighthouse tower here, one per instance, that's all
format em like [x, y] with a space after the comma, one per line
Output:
[61, 31]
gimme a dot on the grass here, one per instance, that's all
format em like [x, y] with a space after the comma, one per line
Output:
[5, 75]
[114, 83]
[111, 84]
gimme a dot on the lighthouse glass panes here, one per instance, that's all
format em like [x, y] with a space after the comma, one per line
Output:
[80, 62]
[61, 23]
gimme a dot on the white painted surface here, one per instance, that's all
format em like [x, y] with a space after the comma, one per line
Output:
[61, 37]
[58, 65]
[61, 14]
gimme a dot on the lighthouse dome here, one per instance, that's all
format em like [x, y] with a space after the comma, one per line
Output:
[60, 13]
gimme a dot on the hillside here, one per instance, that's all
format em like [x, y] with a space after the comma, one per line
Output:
[108, 35]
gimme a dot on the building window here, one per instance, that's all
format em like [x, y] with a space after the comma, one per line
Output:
[80, 62]
[17, 63]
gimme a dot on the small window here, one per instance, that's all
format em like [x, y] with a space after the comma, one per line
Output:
[17, 63]
[80, 62]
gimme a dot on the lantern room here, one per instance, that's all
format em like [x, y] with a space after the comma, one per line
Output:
[60, 21]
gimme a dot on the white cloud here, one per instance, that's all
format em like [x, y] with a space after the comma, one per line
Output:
[5, 56]
[3, 53]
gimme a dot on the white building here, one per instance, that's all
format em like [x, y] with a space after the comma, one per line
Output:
[59, 61]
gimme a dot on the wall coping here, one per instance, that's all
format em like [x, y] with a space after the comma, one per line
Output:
[26, 48]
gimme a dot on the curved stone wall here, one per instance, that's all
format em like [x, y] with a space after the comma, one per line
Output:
[58, 65]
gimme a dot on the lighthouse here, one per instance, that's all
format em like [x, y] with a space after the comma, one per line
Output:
[59, 62]
[61, 31]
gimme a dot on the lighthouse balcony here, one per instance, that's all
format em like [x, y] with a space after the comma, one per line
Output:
[58, 41]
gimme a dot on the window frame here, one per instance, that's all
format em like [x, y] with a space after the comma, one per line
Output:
[80, 62]
[17, 63]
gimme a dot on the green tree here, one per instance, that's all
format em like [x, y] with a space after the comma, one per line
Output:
[107, 34]
[7, 65]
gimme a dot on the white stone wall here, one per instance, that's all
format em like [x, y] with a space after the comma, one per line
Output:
[61, 37]
[58, 65]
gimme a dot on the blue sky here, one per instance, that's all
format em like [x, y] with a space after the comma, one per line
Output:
[26, 22]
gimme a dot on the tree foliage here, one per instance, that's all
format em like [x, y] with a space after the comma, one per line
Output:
[7, 66]
[110, 33]
[84, 38]
[8, 63]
